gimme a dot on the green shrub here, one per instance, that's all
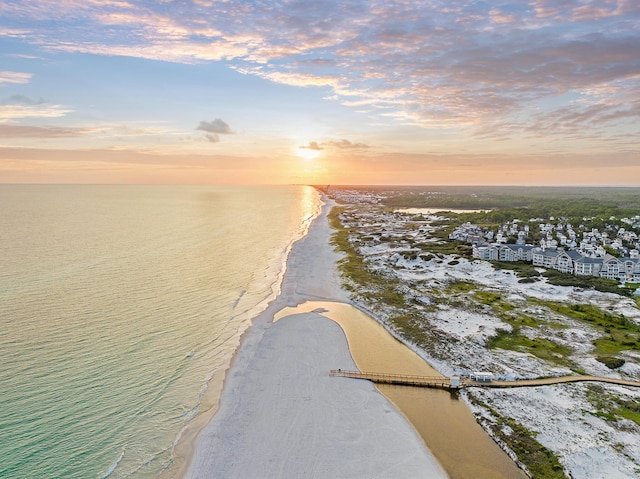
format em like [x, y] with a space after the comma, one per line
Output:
[523, 269]
[611, 362]
[527, 280]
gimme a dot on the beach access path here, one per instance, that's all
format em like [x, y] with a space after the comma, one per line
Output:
[282, 415]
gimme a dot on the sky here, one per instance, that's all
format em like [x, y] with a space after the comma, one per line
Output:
[529, 92]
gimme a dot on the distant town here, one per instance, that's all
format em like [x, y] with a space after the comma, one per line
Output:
[609, 251]
[611, 254]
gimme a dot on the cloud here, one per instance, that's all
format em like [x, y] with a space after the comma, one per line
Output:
[215, 126]
[21, 100]
[18, 131]
[499, 16]
[13, 32]
[338, 144]
[313, 145]
[214, 129]
[347, 145]
[14, 77]
[15, 111]
[423, 62]
[294, 79]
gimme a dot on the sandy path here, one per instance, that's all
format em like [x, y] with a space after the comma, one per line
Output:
[282, 415]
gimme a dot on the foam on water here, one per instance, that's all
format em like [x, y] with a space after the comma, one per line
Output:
[113, 466]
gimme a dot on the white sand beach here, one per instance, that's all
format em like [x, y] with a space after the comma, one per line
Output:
[280, 413]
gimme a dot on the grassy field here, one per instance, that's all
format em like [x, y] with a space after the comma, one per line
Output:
[540, 347]
[613, 408]
[466, 294]
[619, 333]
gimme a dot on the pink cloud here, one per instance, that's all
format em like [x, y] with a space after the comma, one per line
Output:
[14, 77]
[421, 62]
[498, 16]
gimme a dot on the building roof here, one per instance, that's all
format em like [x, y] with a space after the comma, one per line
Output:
[549, 253]
[586, 259]
[573, 254]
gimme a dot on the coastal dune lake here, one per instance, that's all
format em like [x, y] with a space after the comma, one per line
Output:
[120, 308]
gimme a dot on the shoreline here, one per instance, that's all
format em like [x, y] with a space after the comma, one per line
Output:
[185, 442]
[310, 274]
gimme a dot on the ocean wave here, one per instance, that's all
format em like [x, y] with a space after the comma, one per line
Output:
[113, 466]
[235, 304]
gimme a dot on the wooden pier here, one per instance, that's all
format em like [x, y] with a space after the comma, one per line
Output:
[437, 382]
[455, 383]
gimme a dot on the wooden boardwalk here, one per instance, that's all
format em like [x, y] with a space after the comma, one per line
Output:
[523, 383]
[441, 382]
[438, 382]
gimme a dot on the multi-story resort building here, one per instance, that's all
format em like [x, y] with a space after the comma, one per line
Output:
[571, 262]
[589, 258]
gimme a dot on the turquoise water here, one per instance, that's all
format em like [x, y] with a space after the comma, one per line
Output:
[118, 307]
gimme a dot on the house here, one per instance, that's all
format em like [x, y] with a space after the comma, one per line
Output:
[481, 376]
[590, 260]
[516, 252]
[621, 269]
[502, 252]
[631, 269]
[544, 257]
[612, 268]
[467, 232]
[564, 263]
[485, 251]
[587, 266]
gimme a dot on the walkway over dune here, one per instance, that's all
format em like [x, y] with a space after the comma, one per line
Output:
[455, 383]
[439, 382]
[558, 380]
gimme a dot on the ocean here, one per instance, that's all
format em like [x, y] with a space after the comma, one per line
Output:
[119, 306]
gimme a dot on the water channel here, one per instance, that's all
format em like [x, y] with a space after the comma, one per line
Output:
[444, 422]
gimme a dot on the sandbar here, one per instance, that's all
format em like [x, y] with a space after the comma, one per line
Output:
[282, 415]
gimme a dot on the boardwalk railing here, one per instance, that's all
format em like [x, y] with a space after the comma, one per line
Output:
[439, 382]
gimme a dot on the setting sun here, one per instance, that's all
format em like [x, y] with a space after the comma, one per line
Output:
[307, 153]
